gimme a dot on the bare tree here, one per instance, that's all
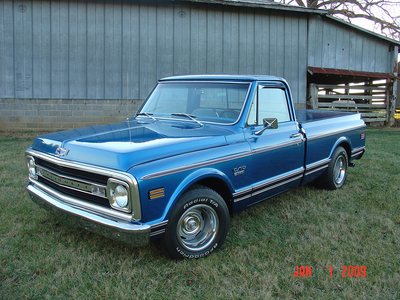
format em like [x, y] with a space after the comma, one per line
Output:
[384, 14]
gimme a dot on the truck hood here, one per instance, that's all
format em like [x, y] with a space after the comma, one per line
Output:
[121, 146]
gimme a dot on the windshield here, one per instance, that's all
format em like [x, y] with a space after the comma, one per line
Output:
[202, 101]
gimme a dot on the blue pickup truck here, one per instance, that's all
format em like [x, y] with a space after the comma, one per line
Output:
[198, 150]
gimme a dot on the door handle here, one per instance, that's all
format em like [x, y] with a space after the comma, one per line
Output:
[295, 135]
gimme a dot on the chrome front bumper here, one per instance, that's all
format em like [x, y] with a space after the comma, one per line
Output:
[97, 222]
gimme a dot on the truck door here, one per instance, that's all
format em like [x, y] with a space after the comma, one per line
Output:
[277, 153]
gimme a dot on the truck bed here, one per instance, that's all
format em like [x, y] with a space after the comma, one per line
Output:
[325, 130]
[309, 115]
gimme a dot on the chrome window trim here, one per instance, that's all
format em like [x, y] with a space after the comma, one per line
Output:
[126, 177]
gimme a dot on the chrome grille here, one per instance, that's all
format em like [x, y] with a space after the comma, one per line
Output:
[72, 182]
[72, 173]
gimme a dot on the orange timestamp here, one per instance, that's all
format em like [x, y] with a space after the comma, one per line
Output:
[352, 271]
[347, 271]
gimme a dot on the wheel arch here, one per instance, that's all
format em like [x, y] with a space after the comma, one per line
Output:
[221, 187]
[208, 177]
[345, 143]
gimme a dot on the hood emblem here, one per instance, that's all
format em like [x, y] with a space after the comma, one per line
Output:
[62, 151]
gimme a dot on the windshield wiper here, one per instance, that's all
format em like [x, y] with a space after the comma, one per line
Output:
[149, 115]
[191, 117]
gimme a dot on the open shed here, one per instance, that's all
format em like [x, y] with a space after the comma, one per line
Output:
[67, 64]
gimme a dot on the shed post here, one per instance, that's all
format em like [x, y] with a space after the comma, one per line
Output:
[313, 96]
[392, 108]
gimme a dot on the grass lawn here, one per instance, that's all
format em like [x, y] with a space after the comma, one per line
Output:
[358, 225]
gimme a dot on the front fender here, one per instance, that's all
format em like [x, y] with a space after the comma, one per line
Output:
[192, 178]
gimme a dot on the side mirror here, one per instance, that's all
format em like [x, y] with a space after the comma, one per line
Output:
[269, 123]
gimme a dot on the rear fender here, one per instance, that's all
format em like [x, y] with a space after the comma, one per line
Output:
[344, 142]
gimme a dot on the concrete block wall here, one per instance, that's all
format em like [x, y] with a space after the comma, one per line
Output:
[60, 114]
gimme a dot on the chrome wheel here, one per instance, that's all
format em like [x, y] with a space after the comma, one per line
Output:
[339, 170]
[335, 176]
[197, 227]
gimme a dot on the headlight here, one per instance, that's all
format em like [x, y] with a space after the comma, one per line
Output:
[118, 195]
[32, 167]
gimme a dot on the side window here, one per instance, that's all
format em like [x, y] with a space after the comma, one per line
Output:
[272, 103]
[252, 119]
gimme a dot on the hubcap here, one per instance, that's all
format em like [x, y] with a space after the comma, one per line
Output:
[339, 171]
[197, 227]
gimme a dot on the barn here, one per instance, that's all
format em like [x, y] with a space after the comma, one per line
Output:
[68, 64]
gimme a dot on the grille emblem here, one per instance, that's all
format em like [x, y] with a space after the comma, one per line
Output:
[62, 151]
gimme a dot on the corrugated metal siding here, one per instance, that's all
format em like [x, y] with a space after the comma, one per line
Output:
[336, 46]
[89, 50]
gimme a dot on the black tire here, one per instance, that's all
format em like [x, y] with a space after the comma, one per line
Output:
[335, 176]
[197, 226]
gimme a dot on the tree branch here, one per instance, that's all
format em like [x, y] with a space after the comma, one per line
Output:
[382, 12]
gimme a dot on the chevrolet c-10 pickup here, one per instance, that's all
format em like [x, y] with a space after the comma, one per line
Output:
[199, 149]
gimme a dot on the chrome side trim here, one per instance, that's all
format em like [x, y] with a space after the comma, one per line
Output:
[318, 166]
[195, 166]
[158, 228]
[278, 146]
[318, 136]
[126, 177]
[240, 196]
[277, 182]
[272, 184]
[217, 161]
[357, 151]
[137, 235]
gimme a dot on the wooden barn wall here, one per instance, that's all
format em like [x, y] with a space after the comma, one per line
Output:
[118, 50]
[334, 45]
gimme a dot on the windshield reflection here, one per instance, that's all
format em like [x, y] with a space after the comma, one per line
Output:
[199, 101]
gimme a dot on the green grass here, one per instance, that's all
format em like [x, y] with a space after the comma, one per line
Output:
[358, 225]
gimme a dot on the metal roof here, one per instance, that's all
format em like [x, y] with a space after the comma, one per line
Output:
[364, 30]
[263, 4]
[284, 7]
[347, 74]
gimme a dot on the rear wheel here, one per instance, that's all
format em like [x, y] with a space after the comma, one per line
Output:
[197, 226]
[335, 176]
